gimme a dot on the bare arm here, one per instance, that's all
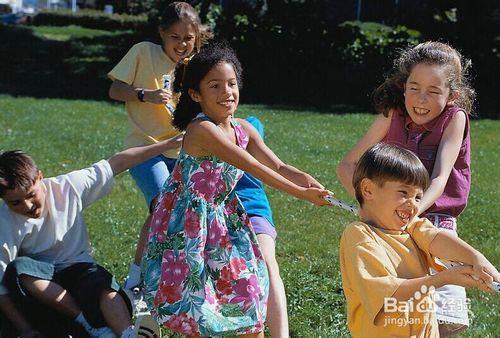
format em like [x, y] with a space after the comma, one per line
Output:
[448, 246]
[15, 317]
[124, 92]
[460, 275]
[133, 156]
[376, 133]
[220, 146]
[258, 149]
[445, 159]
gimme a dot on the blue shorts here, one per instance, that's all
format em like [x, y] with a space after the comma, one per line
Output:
[151, 175]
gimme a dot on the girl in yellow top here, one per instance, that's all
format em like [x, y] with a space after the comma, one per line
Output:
[385, 258]
[140, 80]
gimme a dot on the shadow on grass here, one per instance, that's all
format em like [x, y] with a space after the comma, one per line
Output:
[38, 67]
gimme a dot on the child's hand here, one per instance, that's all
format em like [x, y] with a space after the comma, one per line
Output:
[307, 181]
[462, 275]
[176, 141]
[484, 270]
[315, 195]
[158, 96]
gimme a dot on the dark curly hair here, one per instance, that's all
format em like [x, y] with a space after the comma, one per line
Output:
[389, 95]
[188, 75]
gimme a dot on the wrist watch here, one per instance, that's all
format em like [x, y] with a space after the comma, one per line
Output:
[140, 94]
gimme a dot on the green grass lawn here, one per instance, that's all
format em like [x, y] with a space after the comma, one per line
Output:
[63, 135]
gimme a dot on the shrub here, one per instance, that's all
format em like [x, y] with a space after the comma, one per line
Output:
[367, 51]
[91, 19]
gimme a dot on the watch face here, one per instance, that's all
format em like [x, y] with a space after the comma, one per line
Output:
[140, 95]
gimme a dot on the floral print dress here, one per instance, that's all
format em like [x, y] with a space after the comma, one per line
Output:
[204, 273]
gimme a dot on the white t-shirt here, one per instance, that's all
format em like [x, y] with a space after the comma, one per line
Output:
[59, 236]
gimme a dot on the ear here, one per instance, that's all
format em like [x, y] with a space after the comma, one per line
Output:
[367, 189]
[195, 96]
[40, 175]
[452, 98]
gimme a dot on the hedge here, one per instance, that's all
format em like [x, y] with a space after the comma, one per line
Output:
[91, 19]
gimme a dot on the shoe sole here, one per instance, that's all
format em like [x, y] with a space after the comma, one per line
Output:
[146, 327]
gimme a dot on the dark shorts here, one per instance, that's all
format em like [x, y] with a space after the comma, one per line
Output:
[84, 281]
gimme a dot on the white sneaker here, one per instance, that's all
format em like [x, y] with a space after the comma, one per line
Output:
[136, 297]
[100, 332]
[146, 327]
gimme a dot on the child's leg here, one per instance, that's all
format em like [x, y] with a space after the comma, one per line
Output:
[277, 315]
[23, 278]
[51, 294]
[115, 312]
[149, 177]
[98, 295]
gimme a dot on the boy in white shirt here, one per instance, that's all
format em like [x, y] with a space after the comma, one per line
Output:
[49, 280]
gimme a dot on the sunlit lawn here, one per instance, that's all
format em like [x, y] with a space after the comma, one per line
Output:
[63, 135]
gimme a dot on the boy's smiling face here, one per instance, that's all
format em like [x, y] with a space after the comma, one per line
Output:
[390, 205]
[27, 202]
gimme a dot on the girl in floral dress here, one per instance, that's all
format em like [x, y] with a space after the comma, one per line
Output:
[204, 272]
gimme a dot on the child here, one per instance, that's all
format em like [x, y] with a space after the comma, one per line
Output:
[385, 258]
[49, 278]
[425, 107]
[136, 81]
[204, 272]
[255, 202]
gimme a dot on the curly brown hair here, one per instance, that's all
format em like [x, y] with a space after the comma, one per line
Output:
[389, 95]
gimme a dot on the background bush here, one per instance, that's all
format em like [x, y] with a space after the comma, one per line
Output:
[91, 19]
[294, 52]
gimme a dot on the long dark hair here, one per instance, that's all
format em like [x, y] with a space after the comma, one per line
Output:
[389, 95]
[189, 74]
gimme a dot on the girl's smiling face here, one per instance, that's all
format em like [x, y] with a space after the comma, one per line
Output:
[219, 93]
[178, 40]
[426, 92]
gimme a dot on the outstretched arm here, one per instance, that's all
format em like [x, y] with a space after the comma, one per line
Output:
[447, 245]
[219, 145]
[130, 157]
[445, 159]
[258, 149]
[376, 133]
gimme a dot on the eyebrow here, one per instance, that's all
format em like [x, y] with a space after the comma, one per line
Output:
[218, 80]
[418, 84]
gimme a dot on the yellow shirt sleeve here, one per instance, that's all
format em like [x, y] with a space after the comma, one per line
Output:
[366, 270]
[423, 233]
[126, 69]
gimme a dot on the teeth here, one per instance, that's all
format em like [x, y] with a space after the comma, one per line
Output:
[403, 215]
[420, 111]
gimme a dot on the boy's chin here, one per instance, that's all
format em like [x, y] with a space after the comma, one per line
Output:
[35, 214]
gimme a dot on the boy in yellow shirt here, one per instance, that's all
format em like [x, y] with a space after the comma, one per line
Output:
[385, 258]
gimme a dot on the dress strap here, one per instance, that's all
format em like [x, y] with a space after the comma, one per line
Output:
[202, 116]
[241, 135]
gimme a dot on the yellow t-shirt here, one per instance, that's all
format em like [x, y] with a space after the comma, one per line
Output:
[142, 64]
[374, 262]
